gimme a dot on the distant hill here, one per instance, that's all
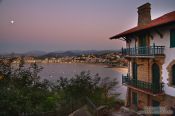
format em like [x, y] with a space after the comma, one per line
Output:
[61, 53]
[35, 53]
[30, 53]
[78, 53]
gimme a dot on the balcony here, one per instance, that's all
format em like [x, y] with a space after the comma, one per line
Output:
[145, 87]
[148, 51]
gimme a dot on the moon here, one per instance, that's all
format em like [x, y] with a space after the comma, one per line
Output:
[12, 21]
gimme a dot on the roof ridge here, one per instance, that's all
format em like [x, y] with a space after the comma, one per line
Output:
[164, 19]
[165, 15]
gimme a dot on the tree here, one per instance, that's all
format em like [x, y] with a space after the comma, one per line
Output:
[23, 91]
[77, 89]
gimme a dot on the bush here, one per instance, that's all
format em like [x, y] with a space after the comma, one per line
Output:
[22, 90]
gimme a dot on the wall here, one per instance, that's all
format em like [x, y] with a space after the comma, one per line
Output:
[132, 43]
[143, 72]
[169, 56]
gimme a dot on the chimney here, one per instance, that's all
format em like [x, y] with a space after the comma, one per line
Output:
[144, 14]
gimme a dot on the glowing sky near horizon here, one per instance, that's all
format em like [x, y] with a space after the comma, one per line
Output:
[58, 25]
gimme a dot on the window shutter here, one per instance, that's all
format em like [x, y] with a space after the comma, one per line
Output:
[172, 38]
[134, 70]
[173, 74]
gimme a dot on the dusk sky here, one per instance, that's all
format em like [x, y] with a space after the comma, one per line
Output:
[59, 25]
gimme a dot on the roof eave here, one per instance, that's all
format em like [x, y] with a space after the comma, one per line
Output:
[123, 38]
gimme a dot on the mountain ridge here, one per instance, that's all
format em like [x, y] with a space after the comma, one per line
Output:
[38, 53]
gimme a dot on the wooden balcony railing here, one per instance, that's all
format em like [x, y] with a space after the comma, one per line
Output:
[145, 86]
[144, 51]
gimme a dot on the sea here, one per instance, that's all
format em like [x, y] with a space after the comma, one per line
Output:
[54, 71]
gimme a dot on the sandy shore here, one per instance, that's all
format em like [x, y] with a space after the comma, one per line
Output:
[121, 70]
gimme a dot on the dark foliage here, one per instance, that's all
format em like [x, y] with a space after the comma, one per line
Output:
[22, 90]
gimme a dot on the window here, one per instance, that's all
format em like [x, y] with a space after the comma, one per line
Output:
[172, 38]
[134, 70]
[142, 40]
[173, 75]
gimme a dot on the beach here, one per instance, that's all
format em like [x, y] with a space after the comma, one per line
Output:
[121, 70]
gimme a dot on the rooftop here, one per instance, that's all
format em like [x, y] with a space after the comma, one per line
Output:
[165, 19]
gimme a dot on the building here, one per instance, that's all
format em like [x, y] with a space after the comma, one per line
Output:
[150, 50]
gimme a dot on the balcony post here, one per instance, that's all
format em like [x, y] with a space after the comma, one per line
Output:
[153, 49]
[135, 51]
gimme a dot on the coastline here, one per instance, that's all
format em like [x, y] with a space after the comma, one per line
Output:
[102, 64]
[122, 70]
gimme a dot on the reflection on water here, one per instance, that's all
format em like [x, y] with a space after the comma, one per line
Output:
[54, 71]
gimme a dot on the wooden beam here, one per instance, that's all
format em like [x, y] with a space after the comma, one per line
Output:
[122, 39]
[159, 33]
[149, 34]
[135, 36]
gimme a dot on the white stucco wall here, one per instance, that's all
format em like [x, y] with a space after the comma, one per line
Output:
[169, 57]
[132, 44]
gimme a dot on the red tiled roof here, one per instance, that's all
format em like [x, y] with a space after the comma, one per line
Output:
[167, 18]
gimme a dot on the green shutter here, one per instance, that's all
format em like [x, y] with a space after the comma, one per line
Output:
[134, 70]
[173, 74]
[172, 38]
[142, 40]
[156, 78]
[142, 44]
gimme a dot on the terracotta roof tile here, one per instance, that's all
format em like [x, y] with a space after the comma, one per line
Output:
[167, 18]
